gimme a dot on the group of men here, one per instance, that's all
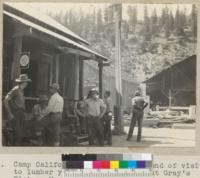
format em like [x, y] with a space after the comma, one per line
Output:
[47, 116]
[94, 113]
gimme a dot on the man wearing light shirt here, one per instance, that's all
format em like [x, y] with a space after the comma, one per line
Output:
[138, 106]
[51, 132]
[95, 110]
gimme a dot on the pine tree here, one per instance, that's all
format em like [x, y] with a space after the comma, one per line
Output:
[194, 20]
[178, 22]
[66, 19]
[171, 22]
[132, 14]
[167, 22]
[154, 22]
[106, 15]
[99, 21]
[163, 18]
[147, 31]
[154, 17]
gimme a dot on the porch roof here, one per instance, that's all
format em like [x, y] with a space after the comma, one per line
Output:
[28, 12]
[42, 29]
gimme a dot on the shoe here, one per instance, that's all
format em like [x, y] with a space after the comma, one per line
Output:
[128, 139]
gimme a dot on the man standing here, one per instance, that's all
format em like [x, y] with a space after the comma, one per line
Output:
[95, 110]
[138, 105]
[51, 132]
[39, 112]
[107, 118]
[14, 103]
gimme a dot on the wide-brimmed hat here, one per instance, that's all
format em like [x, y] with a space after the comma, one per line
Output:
[42, 98]
[137, 93]
[55, 86]
[94, 91]
[23, 78]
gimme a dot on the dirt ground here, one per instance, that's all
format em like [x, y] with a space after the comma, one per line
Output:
[178, 136]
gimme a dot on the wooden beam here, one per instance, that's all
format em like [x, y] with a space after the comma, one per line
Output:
[100, 79]
[23, 32]
[76, 78]
[85, 54]
[57, 62]
[17, 51]
[81, 78]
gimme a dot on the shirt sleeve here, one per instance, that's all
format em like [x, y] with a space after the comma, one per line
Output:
[13, 93]
[35, 110]
[133, 102]
[85, 106]
[51, 104]
[102, 104]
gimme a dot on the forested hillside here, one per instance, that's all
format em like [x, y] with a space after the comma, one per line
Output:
[148, 45]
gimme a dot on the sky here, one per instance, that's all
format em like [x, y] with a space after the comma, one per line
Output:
[89, 7]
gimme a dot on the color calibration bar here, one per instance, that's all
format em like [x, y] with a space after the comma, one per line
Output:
[107, 161]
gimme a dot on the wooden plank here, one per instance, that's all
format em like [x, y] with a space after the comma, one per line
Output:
[17, 50]
[57, 61]
[24, 31]
[81, 78]
[76, 78]
[68, 50]
[100, 79]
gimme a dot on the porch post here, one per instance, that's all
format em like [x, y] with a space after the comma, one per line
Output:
[57, 63]
[76, 77]
[17, 51]
[100, 79]
[81, 78]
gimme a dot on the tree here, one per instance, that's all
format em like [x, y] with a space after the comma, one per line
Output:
[167, 22]
[132, 14]
[163, 17]
[59, 17]
[125, 29]
[171, 21]
[99, 21]
[106, 15]
[66, 19]
[154, 17]
[147, 31]
[178, 27]
[154, 22]
[194, 20]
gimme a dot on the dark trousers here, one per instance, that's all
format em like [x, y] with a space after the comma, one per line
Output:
[18, 126]
[107, 129]
[83, 125]
[95, 130]
[51, 129]
[136, 117]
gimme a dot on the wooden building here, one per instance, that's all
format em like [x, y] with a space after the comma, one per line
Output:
[56, 53]
[175, 85]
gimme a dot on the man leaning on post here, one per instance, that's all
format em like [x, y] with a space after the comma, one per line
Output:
[54, 116]
[95, 110]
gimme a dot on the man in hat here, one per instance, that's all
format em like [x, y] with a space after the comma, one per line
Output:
[14, 103]
[138, 105]
[54, 116]
[107, 118]
[95, 110]
[39, 113]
